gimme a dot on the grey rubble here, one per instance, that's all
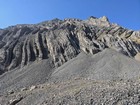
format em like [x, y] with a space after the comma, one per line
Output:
[77, 92]
[83, 56]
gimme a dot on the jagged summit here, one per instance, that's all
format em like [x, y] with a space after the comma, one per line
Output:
[102, 21]
[104, 18]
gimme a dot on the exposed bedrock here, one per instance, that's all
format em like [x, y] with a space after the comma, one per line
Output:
[62, 40]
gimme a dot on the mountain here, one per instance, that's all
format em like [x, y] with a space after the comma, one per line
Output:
[62, 40]
[59, 51]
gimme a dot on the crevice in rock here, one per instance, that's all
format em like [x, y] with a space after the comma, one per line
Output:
[42, 47]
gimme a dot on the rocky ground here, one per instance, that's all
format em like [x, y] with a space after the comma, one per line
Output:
[78, 91]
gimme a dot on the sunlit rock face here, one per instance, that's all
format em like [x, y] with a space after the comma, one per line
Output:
[62, 40]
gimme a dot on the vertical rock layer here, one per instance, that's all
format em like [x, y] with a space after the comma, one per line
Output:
[62, 40]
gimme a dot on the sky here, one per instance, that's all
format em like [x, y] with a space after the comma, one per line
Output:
[123, 12]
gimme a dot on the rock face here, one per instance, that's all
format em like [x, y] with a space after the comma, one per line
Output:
[90, 62]
[62, 40]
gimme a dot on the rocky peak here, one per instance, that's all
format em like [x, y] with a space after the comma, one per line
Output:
[104, 18]
[103, 21]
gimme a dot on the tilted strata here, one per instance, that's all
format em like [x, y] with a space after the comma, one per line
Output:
[62, 40]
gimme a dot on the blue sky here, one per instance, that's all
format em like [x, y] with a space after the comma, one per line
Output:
[124, 12]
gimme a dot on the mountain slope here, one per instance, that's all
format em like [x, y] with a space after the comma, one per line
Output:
[34, 74]
[62, 40]
[34, 52]
[105, 65]
[67, 61]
